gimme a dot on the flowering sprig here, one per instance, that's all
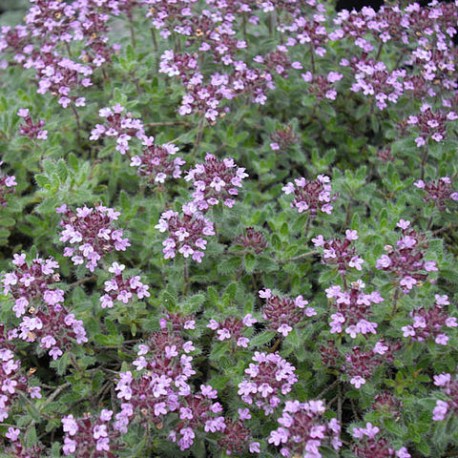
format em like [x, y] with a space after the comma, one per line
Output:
[449, 386]
[283, 138]
[340, 252]
[40, 304]
[431, 124]
[12, 382]
[90, 435]
[282, 313]
[33, 284]
[31, 129]
[7, 186]
[156, 163]
[17, 447]
[369, 445]
[323, 86]
[252, 240]
[197, 412]
[406, 261]
[55, 329]
[119, 125]
[268, 377]
[373, 79]
[303, 430]
[186, 234]
[232, 329]
[430, 323]
[215, 181]
[440, 192]
[311, 196]
[162, 370]
[91, 234]
[60, 76]
[120, 289]
[237, 438]
[353, 309]
[360, 365]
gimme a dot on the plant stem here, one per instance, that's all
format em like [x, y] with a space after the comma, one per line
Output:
[78, 123]
[308, 225]
[344, 280]
[67, 47]
[186, 277]
[153, 36]
[244, 27]
[328, 388]
[312, 59]
[200, 132]
[300, 256]
[55, 394]
[81, 281]
[379, 51]
[339, 403]
[168, 123]
[430, 222]
[395, 300]
[275, 346]
[132, 30]
[424, 158]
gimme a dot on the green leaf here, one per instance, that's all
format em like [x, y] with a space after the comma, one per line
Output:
[250, 262]
[30, 438]
[262, 338]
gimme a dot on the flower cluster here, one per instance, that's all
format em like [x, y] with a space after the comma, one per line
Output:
[186, 234]
[439, 192]
[431, 125]
[283, 138]
[385, 402]
[198, 411]
[282, 313]
[163, 367]
[353, 310]
[91, 234]
[40, 304]
[215, 181]
[34, 284]
[252, 240]
[430, 323]
[55, 329]
[450, 389]
[90, 435]
[232, 329]
[119, 125]
[268, 377]
[237, 436]
[205, 94]
[44, 44]
[303, 430]
[360, 365]
[31, 129]
[18, 449]
[342, 253]
[369, 445]
[7, 186]
[60, 76]
[156, 163]
[120, 289]
[373, 79]
[12, 382]
[322, 87]
[312, 195]
[406, 261]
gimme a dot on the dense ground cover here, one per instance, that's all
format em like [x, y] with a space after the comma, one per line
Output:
[228, 227]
